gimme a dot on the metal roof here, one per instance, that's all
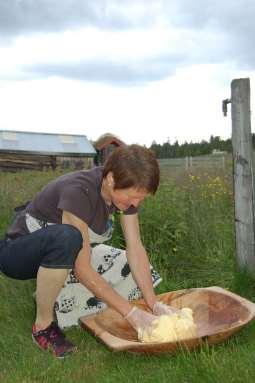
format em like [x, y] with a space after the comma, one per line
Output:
[45, 143]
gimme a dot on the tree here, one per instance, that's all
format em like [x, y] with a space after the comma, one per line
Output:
[168, 150]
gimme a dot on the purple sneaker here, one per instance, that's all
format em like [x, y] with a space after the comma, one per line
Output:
[54, 339]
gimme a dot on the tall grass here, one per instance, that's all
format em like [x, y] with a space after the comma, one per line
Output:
[188, 230]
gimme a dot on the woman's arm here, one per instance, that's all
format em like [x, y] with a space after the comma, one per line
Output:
[137, 257]
[88, 276]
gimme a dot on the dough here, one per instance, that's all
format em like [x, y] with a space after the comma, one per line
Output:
[170, 328]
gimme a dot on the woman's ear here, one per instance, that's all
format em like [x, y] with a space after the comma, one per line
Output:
[110, 180]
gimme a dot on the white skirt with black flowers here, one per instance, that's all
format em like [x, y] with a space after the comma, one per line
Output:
[75, 300]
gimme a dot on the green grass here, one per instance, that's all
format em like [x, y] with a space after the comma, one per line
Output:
[188, 231]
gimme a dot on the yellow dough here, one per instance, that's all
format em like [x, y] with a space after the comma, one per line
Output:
[170, 328]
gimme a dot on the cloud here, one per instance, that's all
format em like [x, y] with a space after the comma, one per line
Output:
[128, 57]
[106, 71]
[128, 42]
[232, 21]
[26, 16]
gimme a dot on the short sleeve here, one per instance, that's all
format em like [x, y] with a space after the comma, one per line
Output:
[76, 201]
[131, 210]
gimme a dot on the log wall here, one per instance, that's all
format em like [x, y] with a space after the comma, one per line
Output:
[13, 162]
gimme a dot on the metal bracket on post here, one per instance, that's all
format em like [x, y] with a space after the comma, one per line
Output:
[225, 106]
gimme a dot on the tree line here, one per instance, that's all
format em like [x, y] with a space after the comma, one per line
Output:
[192, 149]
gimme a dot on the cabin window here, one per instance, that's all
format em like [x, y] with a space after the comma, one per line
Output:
[66, 139]
[10, 136]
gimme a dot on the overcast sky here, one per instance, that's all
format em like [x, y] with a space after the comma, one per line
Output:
[141, 69]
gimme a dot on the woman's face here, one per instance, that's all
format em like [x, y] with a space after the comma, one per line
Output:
[124, 198]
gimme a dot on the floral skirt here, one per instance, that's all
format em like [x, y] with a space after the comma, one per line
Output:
[75, 300]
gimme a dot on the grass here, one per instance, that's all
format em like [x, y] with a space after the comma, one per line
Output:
[188, 231]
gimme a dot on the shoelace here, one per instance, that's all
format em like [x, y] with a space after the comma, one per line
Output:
[53, 333]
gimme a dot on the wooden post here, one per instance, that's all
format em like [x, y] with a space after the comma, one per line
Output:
[243, 173]
[186, 163]
[223, 161]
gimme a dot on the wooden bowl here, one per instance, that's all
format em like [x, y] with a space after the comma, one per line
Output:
[218, 314]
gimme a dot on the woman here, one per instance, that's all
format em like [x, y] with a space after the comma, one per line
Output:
[53, 234]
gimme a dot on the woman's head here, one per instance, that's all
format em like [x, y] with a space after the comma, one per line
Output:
[133, 166]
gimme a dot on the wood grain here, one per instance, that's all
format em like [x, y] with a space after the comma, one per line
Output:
[218, 314]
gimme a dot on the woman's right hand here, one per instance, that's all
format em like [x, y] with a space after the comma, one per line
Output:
[140, 319]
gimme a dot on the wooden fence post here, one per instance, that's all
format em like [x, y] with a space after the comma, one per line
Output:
[223, 162]
[243, 173]
[186, 163]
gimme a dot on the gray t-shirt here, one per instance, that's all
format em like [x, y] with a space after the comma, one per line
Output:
[78, 193]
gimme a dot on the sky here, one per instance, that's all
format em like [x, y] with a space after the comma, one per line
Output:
[144, 70]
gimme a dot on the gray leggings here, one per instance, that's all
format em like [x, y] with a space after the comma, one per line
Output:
[55, 247]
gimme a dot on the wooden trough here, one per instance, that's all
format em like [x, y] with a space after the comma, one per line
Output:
[218, 314]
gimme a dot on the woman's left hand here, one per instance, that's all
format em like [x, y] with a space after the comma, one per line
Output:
[160, 308]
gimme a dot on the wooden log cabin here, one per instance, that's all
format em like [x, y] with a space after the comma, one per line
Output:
[40, 151]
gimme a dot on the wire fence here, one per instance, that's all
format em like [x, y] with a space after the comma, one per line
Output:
[188, 163]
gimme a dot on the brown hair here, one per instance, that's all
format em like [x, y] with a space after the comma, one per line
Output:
[133, 166]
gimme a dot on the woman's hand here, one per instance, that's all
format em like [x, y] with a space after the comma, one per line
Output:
[160, 308]
[140, 319]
